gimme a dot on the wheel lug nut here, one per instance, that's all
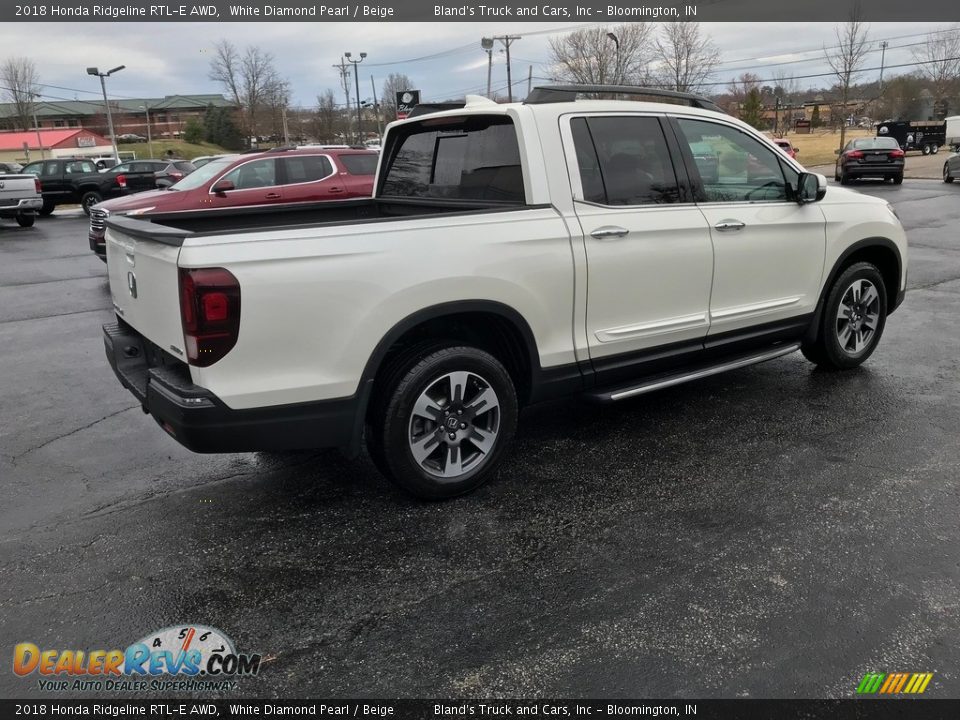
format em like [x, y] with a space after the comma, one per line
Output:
[453, 436]
[459, 412]
[463, 426]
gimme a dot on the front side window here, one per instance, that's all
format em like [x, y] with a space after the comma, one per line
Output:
[733, 166]
[624, 161]
[461, 158]
[35, 168]
[254, 174]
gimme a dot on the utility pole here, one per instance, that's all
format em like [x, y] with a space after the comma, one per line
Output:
[508, 40]
[376, 110]
[286, 130]
[883, 57]
[36, 125]
[345, 82]
[146, 109]
[530, 80]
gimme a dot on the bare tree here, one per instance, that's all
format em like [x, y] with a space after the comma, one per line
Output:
[328, 122]
[250, 78]
[603, 55]
[395, 82]
[785, 86]
[940, 58]
[846, 59]
[685, 57]
[19, 78]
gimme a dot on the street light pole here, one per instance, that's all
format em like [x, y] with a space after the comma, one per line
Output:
[376, 110]
[487, 44]
[103, 86]
[146, 109]
[616, 69]
[356, 77]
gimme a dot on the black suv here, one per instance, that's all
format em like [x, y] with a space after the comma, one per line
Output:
[76, 180]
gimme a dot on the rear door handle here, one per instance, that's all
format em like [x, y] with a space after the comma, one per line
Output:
[273, 196]
[336, 190]
[729, 226]
[608, 232]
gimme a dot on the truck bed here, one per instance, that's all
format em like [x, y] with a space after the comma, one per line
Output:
[173, 228]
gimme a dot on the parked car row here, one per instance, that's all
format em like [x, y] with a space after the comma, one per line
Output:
[274, 178]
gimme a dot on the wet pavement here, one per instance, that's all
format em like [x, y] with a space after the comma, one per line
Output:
[771, 532]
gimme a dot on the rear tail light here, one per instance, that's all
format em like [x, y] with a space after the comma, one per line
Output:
[896, 153]
[210, 313]
[122, 180]
[854, 154]
[36, 184]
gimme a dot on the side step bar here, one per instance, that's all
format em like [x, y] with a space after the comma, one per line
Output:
[662, 382]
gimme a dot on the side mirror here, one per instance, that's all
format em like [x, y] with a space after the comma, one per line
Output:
[223, 186]
[811, 188]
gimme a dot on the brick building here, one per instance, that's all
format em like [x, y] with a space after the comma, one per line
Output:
[59, 142]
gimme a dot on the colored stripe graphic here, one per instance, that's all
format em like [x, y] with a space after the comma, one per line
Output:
[894, 683]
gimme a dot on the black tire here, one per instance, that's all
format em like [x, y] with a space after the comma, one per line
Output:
[934, 149]
[829, 350]
[926, 150]
[25, 220]
[844, 178]
[90, 199]
[394, 425]
[898, 179]
[47, 209]
[947, 177]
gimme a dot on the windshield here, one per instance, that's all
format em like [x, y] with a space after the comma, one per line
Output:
[201, 175]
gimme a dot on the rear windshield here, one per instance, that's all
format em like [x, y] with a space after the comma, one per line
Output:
[877, 143]
[462, 158]
[360, 164]
[185, 166]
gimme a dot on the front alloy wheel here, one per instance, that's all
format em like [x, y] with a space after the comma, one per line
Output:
[858, 317]
[852, 320]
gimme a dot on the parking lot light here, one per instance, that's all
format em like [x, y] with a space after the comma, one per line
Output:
[103, 86]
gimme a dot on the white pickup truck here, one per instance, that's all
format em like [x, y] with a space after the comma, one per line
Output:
[20, 198]
[510, 254]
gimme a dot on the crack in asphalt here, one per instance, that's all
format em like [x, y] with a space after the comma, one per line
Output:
[55, 315]
[15, 458]
[52, 280]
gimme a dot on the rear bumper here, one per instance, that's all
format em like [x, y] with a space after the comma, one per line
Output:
[201, 422]
[873, 169]
[23, 206]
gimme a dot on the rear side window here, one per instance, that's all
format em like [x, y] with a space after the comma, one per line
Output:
[624, 161]
[360, 164]
[253, 174]
[471, 158]
[307, 168]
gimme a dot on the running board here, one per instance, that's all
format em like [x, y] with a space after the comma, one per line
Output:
[662, 382]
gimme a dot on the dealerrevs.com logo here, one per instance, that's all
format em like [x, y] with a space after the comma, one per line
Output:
[176, 658]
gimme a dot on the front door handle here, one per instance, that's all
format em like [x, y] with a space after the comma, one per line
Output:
[608, 232]
[729, 226]
[336, 190]
[273, 196]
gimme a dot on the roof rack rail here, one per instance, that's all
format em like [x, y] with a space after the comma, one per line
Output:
[545, 94]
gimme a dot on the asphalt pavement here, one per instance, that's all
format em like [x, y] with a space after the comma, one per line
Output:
[771, 532]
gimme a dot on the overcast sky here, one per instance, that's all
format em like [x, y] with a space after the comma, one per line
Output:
[171, 58]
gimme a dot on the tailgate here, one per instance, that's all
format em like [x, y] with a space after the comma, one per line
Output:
[144, 284]
[14, 188]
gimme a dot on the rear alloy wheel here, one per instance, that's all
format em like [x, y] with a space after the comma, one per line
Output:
[934, 149]
[25, 220]
[947, 177]
[926, 150]
[443, 428]
[853, 319]
[89, 200]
